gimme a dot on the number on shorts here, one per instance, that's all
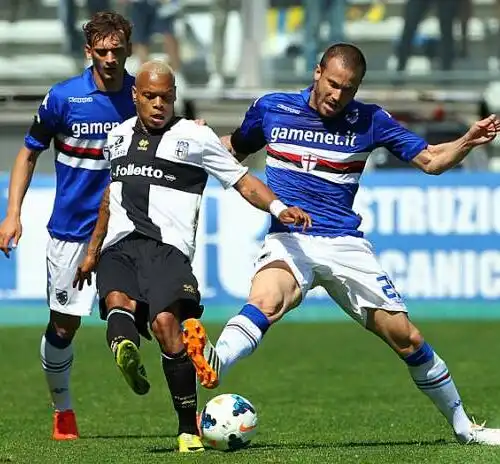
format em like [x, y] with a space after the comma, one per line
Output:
[388, 289]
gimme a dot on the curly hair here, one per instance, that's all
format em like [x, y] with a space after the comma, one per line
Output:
[106, 23]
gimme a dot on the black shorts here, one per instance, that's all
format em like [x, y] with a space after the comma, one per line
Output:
[152, 273]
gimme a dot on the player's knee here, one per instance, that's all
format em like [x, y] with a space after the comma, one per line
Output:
[409, 340]
[415, 339]
[396, 329]
[271, 304]
[119, 300]
[64, 325]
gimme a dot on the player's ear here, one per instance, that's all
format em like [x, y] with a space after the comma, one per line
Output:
[134, 94]
[317, 73]
[88, 52]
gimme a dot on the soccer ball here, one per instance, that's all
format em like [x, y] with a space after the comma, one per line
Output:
[228, 422]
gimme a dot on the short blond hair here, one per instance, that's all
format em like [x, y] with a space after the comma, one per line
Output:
[159, 67]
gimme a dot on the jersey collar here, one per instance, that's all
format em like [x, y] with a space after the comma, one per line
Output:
[306, 94]
[140, 129]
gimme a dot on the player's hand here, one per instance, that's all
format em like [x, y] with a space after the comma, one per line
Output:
[10, 234]
[295, 216]
[483, 131]
[200, 122]
[84, 271]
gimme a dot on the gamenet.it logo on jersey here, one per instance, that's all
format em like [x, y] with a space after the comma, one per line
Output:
[92, 128]
[144, 171]
[287, 134]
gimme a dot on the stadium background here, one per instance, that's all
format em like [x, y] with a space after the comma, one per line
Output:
[437, 236]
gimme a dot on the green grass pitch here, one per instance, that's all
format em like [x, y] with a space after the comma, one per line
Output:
[324, 393]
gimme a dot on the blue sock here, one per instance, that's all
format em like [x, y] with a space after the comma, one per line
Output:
[421, 356]
[256, 316]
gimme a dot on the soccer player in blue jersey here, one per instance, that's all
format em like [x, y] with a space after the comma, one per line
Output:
[76, 115]
[317, 142]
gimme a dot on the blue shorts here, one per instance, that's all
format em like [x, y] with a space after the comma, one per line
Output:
[144, 16]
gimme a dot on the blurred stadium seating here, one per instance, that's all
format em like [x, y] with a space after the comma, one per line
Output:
[31, 59]
[31, 43]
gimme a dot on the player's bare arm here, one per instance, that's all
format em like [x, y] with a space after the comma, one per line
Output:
[84, 272]
[101, 227]
[436, 159]
[261, 196]
[20, 179]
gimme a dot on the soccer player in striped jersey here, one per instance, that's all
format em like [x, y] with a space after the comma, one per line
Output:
[76, 116]
[144, 238]
[318, 141]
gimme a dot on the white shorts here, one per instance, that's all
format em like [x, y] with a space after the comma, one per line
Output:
[346, 267]
[63, 259]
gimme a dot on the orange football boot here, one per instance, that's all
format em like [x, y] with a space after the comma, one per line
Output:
[201, 352]
[65, 425]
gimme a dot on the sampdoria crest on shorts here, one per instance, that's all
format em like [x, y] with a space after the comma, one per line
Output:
[182, 149]
[263, 256]
[61, 296]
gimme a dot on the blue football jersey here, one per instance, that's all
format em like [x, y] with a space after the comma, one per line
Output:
[77, 116]
[316, 163]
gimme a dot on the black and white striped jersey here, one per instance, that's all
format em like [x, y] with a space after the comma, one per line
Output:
[157, 180]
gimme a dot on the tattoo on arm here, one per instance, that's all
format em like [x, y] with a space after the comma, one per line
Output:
[256, 199]
[255, 192]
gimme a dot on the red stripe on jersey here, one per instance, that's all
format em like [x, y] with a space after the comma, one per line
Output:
[84, 152]
[347, 167]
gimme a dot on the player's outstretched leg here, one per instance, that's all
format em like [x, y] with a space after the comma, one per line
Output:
[124, 341]
[430, 374]
[56, 352]
[241, 335]
[181, 379]
[274, 291]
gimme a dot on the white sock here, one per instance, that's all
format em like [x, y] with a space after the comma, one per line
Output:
[432, 377]
[56, 363]
[240, 338]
